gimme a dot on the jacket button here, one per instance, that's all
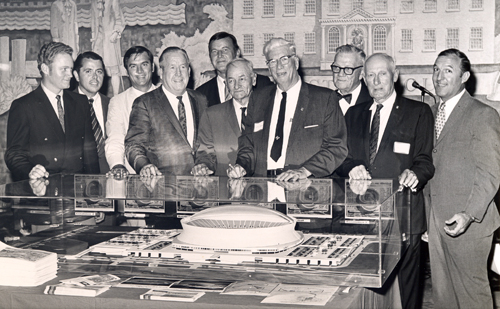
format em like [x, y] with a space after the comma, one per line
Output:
[434, 150]
[55, 159]
[45, 139]
[80, 158]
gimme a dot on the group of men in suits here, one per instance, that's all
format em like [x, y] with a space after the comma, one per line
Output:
[291, 130]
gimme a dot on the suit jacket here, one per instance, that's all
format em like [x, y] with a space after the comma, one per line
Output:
[467, 160]
[155, 134]
[364, 94]
[317, 138]
[218, 138]
[411, 123]
[211, 91]
[35, 136]
[103, 163]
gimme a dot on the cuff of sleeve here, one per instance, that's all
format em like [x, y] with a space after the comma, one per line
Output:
[140, 162]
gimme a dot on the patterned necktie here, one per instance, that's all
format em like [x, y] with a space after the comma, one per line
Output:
[182, 115]
[440, 119]
[278, 137]
[96, 128]
[347, 97]
[374, 133]
[227, 94]
[60, 111]
[243, 111]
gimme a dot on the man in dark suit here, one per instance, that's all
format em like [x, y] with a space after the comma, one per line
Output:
[223, 48]
[89, 73]
[293, 130]
[164, 122]
[391, 137]
[49, 130]
[221, 124]
[462, 215]
[347, 67]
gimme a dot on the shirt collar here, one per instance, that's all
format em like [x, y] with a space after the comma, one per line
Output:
[388, 103]
[295, 89]
[49, 93]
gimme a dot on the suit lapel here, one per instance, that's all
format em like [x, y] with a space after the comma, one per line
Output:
[104, 103]
[48, 112]
[365, 129]
[230, 116]
[393, 122]
[196, 115]
[300, 110]
[455, 116]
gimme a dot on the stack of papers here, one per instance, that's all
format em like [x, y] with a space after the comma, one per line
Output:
[26, 267]
[89, 286]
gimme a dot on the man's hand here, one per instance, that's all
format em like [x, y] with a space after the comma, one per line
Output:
[359, 173]
[462, 221]
[236, 187]
[236, 171]
[38, 171]
[294, 175]
[301, 184]
[118, 172]
[39, 186]
[201, 170]
[359, 186]
[409, 179]
[150, 170]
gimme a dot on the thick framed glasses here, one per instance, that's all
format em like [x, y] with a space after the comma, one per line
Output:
[283, 60]
[347, 70]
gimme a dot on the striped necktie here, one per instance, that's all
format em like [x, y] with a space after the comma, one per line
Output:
[182, 115]
[60, 111]
[374, 133]
[96, 128]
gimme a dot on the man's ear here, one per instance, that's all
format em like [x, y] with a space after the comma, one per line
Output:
[465, 77]
[238, 53]
[75, 74]
[45, 69]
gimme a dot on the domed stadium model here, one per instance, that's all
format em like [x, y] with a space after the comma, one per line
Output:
[238, 228]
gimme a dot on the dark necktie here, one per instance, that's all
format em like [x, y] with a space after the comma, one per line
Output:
[182, 115]
[374, 133]
[278, 137]
[243, 110]
[96, 128]
[60, 111]
[347, 97]
[227, 94]
[440, 120]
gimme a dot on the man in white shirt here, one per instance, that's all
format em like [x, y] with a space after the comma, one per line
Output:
[347, 68]
[138, 62]
[89, 73]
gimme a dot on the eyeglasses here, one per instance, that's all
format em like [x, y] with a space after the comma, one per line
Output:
[283, 60]
[347, 71]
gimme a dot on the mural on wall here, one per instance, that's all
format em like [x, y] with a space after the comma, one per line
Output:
[64, 25]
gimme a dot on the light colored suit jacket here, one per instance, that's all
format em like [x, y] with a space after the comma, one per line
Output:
[218, 138]
[467, 161]
[318, 138]
[155, 134]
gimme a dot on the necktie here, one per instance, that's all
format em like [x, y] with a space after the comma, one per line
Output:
[60, 111]
[278, 137]
[182, 115]
[227, 94]
[347, 97]
[374, 133]
[96, 128]
[440, 120]
[243, 110]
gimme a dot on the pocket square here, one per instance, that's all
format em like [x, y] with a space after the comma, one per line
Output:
[403, 148]
[258, 126]
[311, 126]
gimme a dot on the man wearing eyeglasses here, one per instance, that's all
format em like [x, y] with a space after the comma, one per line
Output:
[294, 129]
[223, 48]
[347, 67]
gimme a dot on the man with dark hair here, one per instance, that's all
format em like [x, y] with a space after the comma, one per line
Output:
[223, 48]
[89, 73]
[138, 62]
[462, 215]
[347, 68]
[49, 130]
[164, 122]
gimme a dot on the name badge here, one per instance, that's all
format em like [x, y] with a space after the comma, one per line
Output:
[258, 126]
[403, 148]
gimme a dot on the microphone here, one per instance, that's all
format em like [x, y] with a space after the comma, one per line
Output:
[422, 88]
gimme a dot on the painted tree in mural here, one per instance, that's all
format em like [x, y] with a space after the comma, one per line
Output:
[63, 24]
[197, 45]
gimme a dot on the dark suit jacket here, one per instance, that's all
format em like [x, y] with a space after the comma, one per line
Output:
[210, 90]
[364, 94]
[35, 136]
[411, 123]
[317, 138]
[218, 138]
[467, 159]
[155, 134]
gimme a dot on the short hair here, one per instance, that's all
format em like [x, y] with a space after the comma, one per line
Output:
[351, 49]
[222, 35]
[277, 42]
[49, 51]
[247, 63]
[388, 58]
[464, 60]
[136, 50]
[172, 49]
[86, 55]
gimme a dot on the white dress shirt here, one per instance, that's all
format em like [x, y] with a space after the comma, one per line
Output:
[52, 98]
[385, 112]
[237, 111]
[221, 87]
[344, 105]
[99, 113]
[174, 102]
[292, 97]
[119, 109]
[451, 103]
